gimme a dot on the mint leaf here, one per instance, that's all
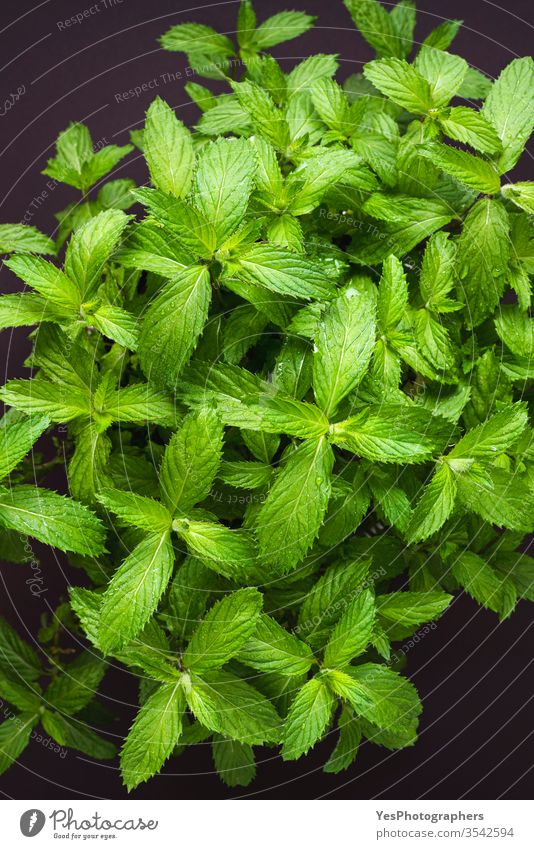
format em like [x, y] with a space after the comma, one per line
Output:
[409, 608]
[168, 149]
[74, 688]
[402, 83]
[483, 252]
[392, 434]
[344, 345]
[135, 590]
[290, 518]
[234, 761]
[224, 631]
[23, 238]
[222, 185]
[172, 325]
[191, 461]
[270, 648]
[17, 438]
[308, 718]
[153, 735]
[90, 248]
[353, 632]
[444, 73]
[52, 519]
[510, 110]
[226, 704]
[136, 510]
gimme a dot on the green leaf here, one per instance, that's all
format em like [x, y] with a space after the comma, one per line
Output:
[224, 631]
[393, 434]
[22, 695]
[196, 39]
[278, 414]
[226, 704]
[522, 194]
[500, 497]
[48, 280]
[283, 272]
[191, 461]
[16, 656]
[352, 633]
[88, 467]
[168, 149]
[265, 117]
[437, 272]
[234, 761]
[380, 696]
[153, 735]
[23, 238]
[444, 73]
[229, 552]
[475, 86]
[402, 83]
[246, 23]
[433, 340]
[332, 105]
[510, 109]
[303, 75]
[346, 750]
[117, 324]
[191, 589]
[328, 598]
[377, 27]
[392, 295]
[136, 510]
[223, 183]
[308, 718]
[343, 346]
[77, 684]
[58, 401]
[443, 35]
[77, 735]
[140, 402]
[281, 27]
[172, 325]
[483, 251]
[90, 248]
[346, 509]
[409, 608]
[470, 127]
[309, 182]
[271, 648]
[516, 329]
[15, 734]
[52, 519]
[406, 222]
[147, 246]
[403, 16]
[21, 309]
[17, 439]
[135, 590]
[74, 149]
[494, 436]
[476, 173]
[483, 584]
[434, 507]
[290, 518]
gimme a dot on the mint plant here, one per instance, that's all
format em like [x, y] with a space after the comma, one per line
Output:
[298, 369]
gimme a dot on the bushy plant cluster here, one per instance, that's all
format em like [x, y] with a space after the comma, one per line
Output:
[296, 369]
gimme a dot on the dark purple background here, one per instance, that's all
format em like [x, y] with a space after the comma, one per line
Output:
[473, 674]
